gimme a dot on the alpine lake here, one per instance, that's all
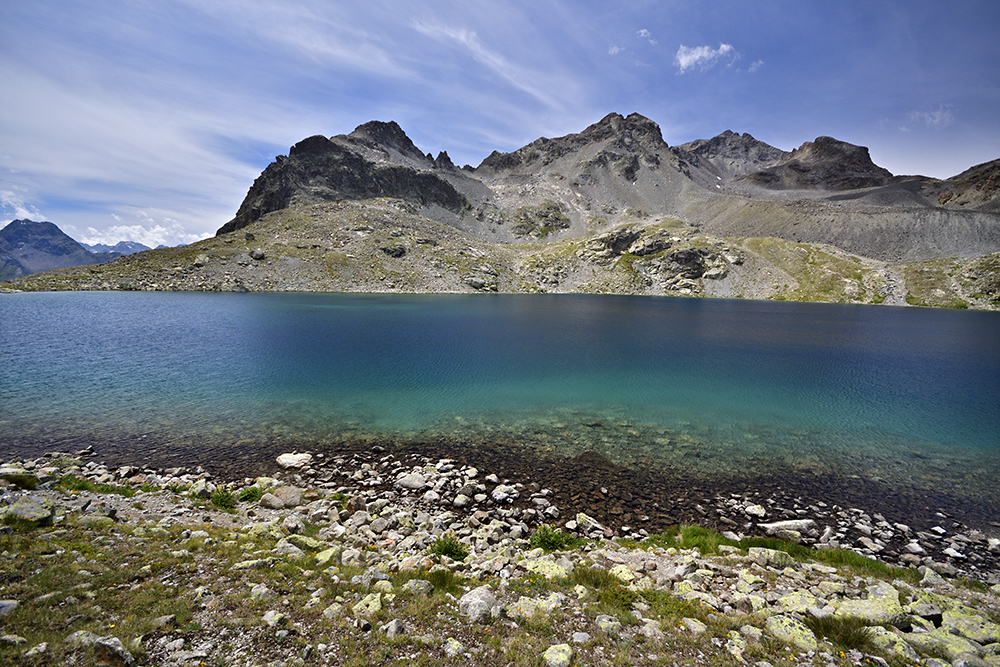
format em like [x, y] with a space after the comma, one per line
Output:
[883, 405]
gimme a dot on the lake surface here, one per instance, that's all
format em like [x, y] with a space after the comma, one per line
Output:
[906, 396]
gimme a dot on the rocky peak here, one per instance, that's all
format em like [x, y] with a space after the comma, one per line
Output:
[635, 126]
[825, 163]
[632, 134]
[388, 137]
[732, 145]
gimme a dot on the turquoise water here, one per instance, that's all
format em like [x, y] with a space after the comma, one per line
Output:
[910, 396]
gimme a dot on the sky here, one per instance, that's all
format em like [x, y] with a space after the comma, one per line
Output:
[148, 120]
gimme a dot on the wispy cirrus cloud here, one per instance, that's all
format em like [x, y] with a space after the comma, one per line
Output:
[939, 119]
[521, 78]
[703, 57]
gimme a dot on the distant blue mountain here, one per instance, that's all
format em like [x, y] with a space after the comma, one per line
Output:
[31, 247]
[122, 247]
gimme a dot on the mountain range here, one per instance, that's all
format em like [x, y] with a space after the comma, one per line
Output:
[610, 209]
[28, 247]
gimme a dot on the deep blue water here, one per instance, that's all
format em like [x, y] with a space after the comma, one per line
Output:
[901, 394]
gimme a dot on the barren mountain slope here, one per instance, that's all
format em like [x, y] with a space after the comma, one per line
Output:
[383, 246]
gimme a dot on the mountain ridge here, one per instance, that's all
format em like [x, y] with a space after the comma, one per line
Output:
[620, 168]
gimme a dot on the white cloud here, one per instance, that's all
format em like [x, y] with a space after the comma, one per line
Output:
[13, 205]
[614, 50]
[930, 120]
[646, 35]
[756, 65]
[150, 230]
[702, 57]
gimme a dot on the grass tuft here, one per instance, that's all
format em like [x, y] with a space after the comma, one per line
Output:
[845, 632]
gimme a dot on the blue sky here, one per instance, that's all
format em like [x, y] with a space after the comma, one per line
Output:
[149, 120]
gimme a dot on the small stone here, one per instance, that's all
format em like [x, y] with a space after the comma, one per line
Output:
[412, 482]
[8, 606]
[274, 618]
[12, 640]
[755, 511]
[110, 652]
[580, 638]
[271, 501]
[453, 647]
[393, 629]
[694, 626]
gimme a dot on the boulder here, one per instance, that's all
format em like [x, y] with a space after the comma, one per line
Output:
[412, 482]
[880, 607]
[479, 604]
[559, 655]
[792, 630]
[34, 509]
[294, 460]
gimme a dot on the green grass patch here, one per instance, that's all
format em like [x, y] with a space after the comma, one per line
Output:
[74, 483]
[553, 539]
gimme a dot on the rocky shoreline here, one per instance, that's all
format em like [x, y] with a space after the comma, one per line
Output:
[324, 558]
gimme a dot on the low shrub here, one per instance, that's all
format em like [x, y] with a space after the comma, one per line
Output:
[551, 539]
[251, 494]
[448, 545]
[223, 498]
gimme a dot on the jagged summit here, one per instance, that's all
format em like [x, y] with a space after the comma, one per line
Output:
[825, 163]
[614, 131]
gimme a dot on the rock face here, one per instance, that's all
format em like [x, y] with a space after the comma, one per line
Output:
[825, 164]
[376, 160]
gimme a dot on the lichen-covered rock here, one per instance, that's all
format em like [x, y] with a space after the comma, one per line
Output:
[890, 642]
[608, 623]
[799, 602]
[110, 652]
[943, 641]
[772, 557]
[546, 568]
[694, 626]
[624, 573]
[306, 543]
[792, 630]
[971, 626]
[35, 509]
[881, 606]
[559, 655]
[369, 604]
